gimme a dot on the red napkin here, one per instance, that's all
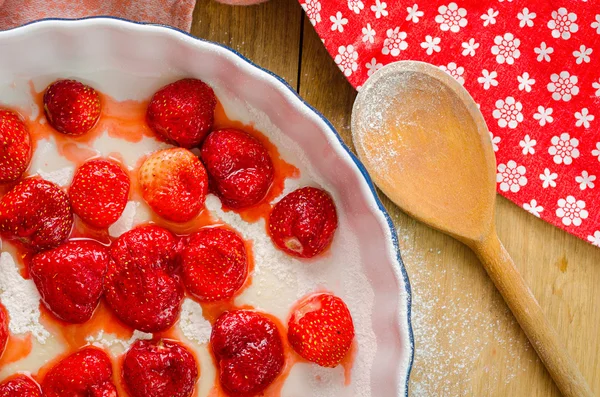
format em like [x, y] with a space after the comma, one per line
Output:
[176, 13]
[533, 67]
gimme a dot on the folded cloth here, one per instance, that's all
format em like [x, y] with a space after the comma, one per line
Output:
[176, 13]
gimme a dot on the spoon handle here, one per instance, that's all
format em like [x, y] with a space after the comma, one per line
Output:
[528, 313]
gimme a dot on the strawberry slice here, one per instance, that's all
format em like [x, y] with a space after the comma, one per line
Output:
[321, 329]
[99, 192]
[15, 146]
[86, 373]
[174, 183]
[20, 386]
[141, 286]
[37, 213]
[3, 330]
[71, 107]
[248, 350]
[70, 278]
[215, 264]
[239, 166]
[182, 112]
[303, 222]
[159, 369]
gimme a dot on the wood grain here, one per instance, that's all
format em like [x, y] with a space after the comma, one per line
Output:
[562, 271]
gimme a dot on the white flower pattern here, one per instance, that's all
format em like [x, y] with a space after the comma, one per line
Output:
[451, 18]
[313, 11]
[585, 180]
[548, 178]
[379, 8]
[526, 18]
[582, 55]
[356, 5]
[533, 208]
[455, 71]
[525, 82]
[469, 47]
[495, 141]
[488, 79]
[543, 115]
[508, 112]
[368, 34]
[395, 42]
[338, 22]
[431, 44]
[563, 86]
[564, 149]
[511, 176]
[346, 59]
[528, 145]
[373, 66]
[489, 18]
[596, 152]
[506, 48]
[583, 118]
[595, 238]
[596, 24]
[414, 13]
[571, 211]
[543, 52]
[563, 24]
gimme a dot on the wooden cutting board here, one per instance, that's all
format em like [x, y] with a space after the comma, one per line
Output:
[467, 343]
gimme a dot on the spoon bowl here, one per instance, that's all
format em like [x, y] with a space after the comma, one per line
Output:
[425, 143]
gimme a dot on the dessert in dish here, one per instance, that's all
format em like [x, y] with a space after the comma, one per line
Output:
[142, 273]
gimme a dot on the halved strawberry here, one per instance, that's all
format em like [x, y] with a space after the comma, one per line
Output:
[70, 278]
[248, 350]
[182, 112]
[215, 264]
[174, 183]
[303, 222]
[159, 369]
[99, 192]
[20, 386]
[3, 329]
[86, 373]
[321, 329]
[71, 107]
[141, 285]
[15, 146]
[239, 166]
[37, 213]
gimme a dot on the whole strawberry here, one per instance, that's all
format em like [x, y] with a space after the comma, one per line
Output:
[182, 112]
[71, 107]
[86, 373]
[20, 386]
[239, 166]
[3, 330]
[159, 369]
[15, 146]
[174, 183]
[321, 329]
[99, 192]
[303, 222]
[37, 213]
[70, 278]
[141, 286]
[215, 264]
[248, 350]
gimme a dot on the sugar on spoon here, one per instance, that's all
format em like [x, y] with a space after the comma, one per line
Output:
[425, 143]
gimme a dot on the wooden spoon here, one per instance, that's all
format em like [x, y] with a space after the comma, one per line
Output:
[426, 145]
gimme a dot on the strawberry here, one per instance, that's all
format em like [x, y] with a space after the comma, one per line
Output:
[37, 213]
[70, 278]
[71, 107]
[321, 329]
[174, 184]
[159, 369]
[141, 286]
[303, 222]
[99, 192]
[248, 350]
[20, 386]
[15, 146]
[3, 330]
[239, 166]
[215, 264]
[86, 373]
[182, 112]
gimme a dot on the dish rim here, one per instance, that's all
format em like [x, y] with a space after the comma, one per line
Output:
[286, 88]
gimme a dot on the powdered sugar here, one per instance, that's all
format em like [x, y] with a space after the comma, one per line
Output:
[452, 334]
[21, 299]
[192, 324]
[104, 340]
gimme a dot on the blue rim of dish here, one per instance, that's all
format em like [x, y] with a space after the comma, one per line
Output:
[358, 163]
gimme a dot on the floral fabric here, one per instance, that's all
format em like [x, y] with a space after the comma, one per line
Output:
[532, 66]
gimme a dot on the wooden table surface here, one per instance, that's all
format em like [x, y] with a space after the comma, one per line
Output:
[467, 343]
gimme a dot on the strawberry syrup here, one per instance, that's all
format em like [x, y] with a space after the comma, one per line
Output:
[126, 120]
